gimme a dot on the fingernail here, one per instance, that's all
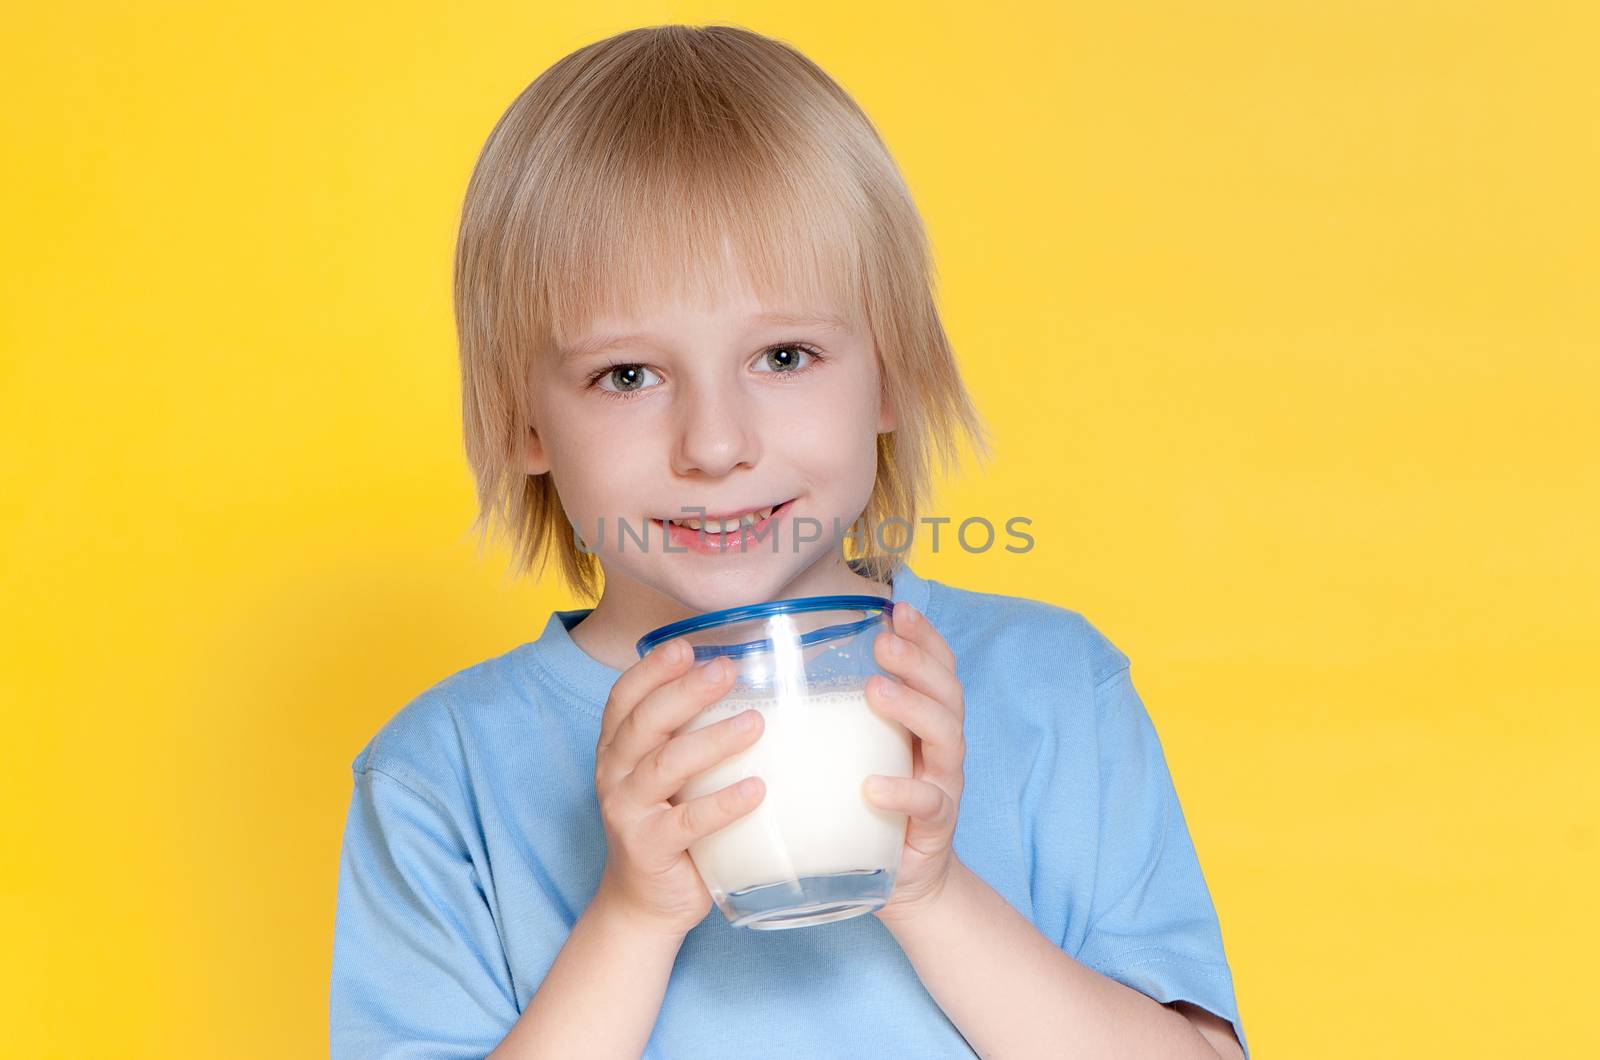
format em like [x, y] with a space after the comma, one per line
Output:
[911, 614]
[877, 786]
[711, 673]
[888, 688]
[896, 646]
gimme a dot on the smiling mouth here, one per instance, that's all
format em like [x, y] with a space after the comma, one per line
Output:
[722, 527]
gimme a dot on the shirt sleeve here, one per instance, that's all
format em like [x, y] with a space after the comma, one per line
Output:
[1152, 924]
[418, 966]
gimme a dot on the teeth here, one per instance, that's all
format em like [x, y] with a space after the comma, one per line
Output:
[724, 526]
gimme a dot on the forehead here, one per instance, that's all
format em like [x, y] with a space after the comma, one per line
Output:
[734, 304]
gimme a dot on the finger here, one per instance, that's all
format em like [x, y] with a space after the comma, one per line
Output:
[918, 799]
[699, 817]
[913, 625]
[914, 665]
[664, 662]
[663, 772]
[943, 741]
[663, 710]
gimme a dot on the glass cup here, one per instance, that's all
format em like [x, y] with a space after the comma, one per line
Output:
[814, 850]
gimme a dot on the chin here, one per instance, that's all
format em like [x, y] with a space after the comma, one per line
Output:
[750, 584]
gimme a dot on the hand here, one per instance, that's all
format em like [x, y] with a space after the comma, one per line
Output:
[928, 700]
[639, 766]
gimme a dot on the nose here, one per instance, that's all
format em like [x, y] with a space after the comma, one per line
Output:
[715, 430]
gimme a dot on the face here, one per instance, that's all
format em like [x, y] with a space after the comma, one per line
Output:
[722, 408]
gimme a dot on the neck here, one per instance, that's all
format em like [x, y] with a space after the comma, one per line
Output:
[628, 609]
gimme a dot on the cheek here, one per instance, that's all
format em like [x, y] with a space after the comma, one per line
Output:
[592, 472]
[833, 436]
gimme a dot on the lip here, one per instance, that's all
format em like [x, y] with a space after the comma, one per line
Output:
[708, 516]
[706, 543]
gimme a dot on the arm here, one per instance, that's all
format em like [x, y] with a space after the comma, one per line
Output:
[419, 969]
[1014, 993]
[1152, 931]
[602, 995]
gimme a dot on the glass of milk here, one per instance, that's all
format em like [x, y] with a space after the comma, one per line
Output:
[814, 850]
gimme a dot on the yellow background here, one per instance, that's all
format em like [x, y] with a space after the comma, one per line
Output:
[1284, 315]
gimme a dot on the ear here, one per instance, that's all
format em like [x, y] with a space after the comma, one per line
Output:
[886, 417]
[534, 459]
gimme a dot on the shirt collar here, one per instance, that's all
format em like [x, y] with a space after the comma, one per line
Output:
[589, 680]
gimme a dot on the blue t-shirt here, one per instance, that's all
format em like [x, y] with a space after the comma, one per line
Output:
[474, 842]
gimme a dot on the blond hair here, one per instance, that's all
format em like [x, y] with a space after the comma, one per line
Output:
[654, 160]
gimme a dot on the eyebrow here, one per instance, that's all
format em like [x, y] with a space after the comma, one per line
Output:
[600, 343]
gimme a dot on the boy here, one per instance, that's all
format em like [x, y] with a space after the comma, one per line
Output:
[690, 282]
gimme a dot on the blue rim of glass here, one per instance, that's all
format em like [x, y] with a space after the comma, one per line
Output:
[877, 604]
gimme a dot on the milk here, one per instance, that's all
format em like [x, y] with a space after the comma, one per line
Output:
[814, 754]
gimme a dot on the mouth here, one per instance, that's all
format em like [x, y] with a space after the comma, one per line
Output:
[724, 527]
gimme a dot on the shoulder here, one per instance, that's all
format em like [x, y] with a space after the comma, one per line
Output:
[427, 745]
[1023, 637]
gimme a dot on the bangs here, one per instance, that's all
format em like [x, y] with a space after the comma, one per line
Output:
[708, 247]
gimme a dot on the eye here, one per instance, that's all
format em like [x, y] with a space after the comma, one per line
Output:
[786, 358]
[629, 379]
